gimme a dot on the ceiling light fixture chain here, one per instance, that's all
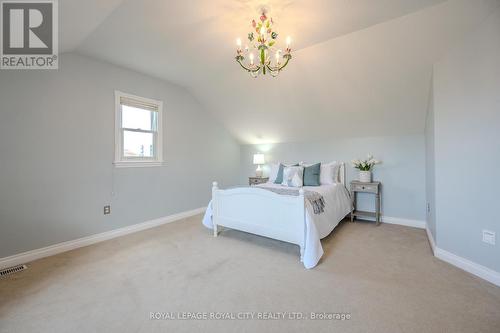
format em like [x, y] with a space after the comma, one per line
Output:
[262, 41]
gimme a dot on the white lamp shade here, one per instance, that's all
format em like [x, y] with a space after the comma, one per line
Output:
[258, 159]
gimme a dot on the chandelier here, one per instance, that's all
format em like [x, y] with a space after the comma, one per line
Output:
[262, 41]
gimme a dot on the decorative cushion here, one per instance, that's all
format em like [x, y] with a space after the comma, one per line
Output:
[312, 174]
[336, 172]
[292, 176]
[273, 172]
[329, 173]
[279, 175]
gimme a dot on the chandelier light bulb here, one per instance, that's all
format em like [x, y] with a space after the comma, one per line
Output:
[251, 58]
[238, 42]
[262, 31]
[278, 56]
[288, 41]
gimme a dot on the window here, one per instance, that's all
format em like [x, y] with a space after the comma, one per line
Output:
[138, 131]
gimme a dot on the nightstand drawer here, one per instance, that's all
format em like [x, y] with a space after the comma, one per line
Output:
[257, 180]
[365, 188]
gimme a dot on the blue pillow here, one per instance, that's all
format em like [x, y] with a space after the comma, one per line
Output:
[311, 175]
[279, 176]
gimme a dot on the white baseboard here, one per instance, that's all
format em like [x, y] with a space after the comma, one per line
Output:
[469, 266]
[462, 263]
[406, 222]
[430, 238]
[51, 250]
[398, 220]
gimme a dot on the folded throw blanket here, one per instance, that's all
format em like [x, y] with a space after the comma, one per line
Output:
[316, 199]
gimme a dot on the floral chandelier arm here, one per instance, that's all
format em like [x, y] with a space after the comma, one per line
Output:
[278, 68]
[240, 61]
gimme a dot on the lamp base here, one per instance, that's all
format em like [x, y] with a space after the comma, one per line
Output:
[258, 172]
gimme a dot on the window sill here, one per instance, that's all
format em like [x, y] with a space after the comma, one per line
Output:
[137, 164]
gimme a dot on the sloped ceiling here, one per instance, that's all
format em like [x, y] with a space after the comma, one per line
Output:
[78, 19]
[360, 67]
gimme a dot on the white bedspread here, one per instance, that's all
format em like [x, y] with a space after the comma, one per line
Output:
[318, 226]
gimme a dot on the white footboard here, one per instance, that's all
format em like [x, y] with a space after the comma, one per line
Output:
[260, 212]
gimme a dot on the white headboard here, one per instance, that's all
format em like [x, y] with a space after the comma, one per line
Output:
[342, 174]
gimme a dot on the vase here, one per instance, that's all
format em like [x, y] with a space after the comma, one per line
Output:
[365, 176]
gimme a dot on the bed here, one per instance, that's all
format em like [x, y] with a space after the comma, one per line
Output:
[289, 218]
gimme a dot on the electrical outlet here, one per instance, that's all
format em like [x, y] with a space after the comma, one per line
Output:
[489, 237]
[107, 210]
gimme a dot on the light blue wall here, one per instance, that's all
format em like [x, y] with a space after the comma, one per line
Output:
[57, 149]
[467, 143]
[402, 172]
[429, 165]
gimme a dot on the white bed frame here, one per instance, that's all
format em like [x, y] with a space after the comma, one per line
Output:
[262, 212]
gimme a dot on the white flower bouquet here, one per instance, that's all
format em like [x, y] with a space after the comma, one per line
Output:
[365, 165]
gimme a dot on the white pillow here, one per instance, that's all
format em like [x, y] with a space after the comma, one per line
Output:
[273, 171]
[293, 176]
[336, 172]
[329, 173]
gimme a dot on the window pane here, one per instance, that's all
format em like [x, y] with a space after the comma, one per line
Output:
[137, 144]
[139, 118]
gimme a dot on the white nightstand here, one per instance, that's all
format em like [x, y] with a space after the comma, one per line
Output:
[374, 188]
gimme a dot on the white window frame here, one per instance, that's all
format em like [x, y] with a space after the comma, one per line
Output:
[122, 161]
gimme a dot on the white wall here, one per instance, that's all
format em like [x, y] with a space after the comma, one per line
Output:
[467, 145]
[402, 173]
[57, 149]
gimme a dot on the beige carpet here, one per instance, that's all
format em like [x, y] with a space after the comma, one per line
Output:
[384, 277]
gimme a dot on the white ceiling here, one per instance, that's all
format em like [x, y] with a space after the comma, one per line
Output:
[78, 19]
[361, 62]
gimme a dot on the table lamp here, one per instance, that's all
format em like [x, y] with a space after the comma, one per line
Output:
[258, 159]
